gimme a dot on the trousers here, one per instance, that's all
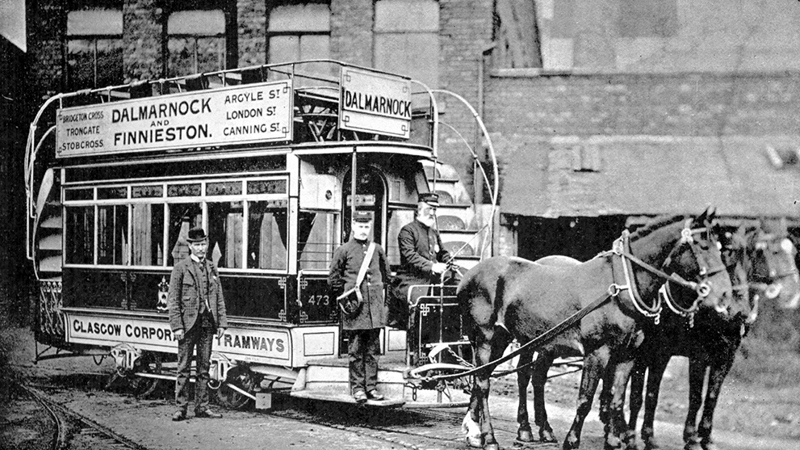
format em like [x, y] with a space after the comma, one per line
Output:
[200, 337]
[363, 349]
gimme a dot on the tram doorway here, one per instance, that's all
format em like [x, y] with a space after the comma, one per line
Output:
[578, 237]
[370, 196]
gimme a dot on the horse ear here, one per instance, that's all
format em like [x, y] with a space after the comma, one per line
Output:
[707, 216]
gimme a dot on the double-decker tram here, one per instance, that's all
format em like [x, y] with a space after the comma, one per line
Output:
[272, 161]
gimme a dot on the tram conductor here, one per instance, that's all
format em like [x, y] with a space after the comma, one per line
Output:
[357, 274]
[196, 312]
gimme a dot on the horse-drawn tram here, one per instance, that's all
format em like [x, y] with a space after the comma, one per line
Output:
[273, 161]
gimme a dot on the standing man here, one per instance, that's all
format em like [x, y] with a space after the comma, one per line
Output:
[422, 261]
[359, 267]
[196, 311]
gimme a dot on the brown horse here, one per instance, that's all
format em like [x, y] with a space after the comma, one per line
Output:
[504, 298]
[761, 264]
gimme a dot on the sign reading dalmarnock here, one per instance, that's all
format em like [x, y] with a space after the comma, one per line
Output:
[255, 344]
[375, 102]
[229, 116]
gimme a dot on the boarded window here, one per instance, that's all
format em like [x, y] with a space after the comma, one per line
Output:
[196, 41]
[94, 48]
[299, 31]
[407, 39]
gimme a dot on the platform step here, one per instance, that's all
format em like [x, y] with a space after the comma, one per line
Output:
[344, 398]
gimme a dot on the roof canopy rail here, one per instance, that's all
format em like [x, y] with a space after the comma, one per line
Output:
[196, 82]
[141, 89]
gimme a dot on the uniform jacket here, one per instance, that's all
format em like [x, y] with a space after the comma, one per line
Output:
[345, 265]
[420, 247]
[185, 296]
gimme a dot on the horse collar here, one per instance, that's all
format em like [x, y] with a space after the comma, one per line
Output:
[665, 293]
[622, 249]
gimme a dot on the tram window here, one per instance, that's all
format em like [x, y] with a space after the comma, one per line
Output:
[398, 218]
[316, 240]
[267, 230]
[225, 234]
[80, 235]
[112, 234]
[147, 235]
[182, 217]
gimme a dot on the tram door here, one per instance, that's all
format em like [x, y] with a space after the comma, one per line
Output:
[370, 196]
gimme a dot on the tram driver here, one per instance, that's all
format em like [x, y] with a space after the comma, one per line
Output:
[423, 261]
[358, 271]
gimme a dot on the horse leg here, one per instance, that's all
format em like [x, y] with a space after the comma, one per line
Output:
[655, 373]
[637, 392]
[717, 373]
[593, 367]
[697, 373]
[618, 428]
[539, 379]
[489, 348]
[524, 433]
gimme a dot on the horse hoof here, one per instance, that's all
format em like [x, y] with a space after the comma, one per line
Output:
[612, 443]
[475, 442]
[571, 443]
[693, 444]
[709, 445]
[547, 436]
[524, 435]
[492, 446]
[651, 444]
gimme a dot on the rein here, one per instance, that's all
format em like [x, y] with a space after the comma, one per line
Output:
[538, 341]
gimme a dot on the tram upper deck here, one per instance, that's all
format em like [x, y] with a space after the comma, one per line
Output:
[261, 157]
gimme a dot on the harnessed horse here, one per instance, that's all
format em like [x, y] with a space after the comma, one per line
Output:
[760, 264]
[504, 298]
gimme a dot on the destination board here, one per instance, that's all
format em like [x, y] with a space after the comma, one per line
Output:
[250, 114]
[375, 102]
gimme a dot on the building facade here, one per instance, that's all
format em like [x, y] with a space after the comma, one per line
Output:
[602, 113]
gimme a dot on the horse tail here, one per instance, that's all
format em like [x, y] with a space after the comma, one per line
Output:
[500, 305]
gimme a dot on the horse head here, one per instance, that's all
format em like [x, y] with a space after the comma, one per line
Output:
[774, 270]
[733, 247]
[694, 263]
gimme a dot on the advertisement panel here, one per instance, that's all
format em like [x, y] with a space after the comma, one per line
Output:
[237, 115]
[375, 102]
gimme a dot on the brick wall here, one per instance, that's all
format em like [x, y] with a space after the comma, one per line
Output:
[46, 23]
[465, 31]
[252, 24]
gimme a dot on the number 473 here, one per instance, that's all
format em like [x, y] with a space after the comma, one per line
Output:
[319, 300]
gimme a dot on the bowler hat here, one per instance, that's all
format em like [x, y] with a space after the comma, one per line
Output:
[430, 198]
[197, 234]
[362, 216]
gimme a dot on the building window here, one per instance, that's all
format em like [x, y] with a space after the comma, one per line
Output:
[407, 38]
[517, 34]
[299, 31]
[94, 48]
[196, 42]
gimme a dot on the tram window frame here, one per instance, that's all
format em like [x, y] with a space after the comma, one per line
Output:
[130, 200]
[333, 227]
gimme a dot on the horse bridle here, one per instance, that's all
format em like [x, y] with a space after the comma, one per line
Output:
[621, 248]
[763, 243]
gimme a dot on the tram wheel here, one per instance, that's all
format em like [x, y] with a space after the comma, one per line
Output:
[242, 378]
[142, 386]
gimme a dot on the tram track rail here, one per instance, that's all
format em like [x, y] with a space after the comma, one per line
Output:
[70, 424]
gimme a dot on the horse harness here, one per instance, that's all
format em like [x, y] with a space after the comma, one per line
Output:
[621, 249]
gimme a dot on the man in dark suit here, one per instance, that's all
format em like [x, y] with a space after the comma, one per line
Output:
[423, 261]
[363, 324]
[196, 311]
